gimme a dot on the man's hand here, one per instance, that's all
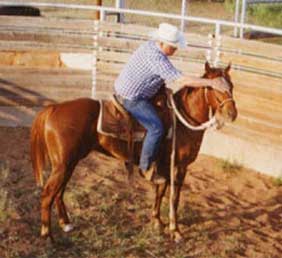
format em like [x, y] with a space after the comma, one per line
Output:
[220, 84]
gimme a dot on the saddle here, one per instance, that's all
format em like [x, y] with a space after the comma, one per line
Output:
[115, 121]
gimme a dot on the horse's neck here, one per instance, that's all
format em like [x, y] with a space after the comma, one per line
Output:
[193, 105]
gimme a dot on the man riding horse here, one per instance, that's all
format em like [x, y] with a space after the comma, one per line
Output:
[146, 71]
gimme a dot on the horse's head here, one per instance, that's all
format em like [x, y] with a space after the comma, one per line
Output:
[222, 104]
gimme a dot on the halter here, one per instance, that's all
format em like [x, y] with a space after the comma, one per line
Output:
[210, 123]
[222, 103]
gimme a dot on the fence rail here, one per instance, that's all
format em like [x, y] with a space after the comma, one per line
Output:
[40, 33]
[217, 23]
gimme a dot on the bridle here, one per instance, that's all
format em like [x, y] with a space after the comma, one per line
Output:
[222, 103]
[211, 123]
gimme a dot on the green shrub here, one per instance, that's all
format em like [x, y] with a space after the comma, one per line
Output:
[230, 167]
[266, 15]
[277, 181]
[269, 15]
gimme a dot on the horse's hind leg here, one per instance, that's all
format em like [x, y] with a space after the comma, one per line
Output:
[51, 189]
[64, 220]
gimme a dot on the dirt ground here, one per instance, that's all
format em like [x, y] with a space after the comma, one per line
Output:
[225, 211]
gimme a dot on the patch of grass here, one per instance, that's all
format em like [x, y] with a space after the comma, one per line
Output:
[4, 172]
[269, 15]
[188, 215]
[266, 15]
[277, 181]
[230, 167]
[165, 207]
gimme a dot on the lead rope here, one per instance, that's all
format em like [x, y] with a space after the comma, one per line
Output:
[172, 222]
[211, 123]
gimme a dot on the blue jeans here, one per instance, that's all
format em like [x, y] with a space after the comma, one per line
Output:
[144, 112]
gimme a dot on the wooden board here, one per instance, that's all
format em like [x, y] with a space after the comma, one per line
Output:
[109, 67]
[29, 86]
[46, 37]
[47, 23]
[273, 118]
[253, 47]
[255, 63]
[250, 135]
[38, 33]
[254, 80]
[257, 105]
[142, 32]
[42, 46]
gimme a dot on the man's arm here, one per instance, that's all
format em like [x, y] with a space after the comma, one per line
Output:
[197, 82]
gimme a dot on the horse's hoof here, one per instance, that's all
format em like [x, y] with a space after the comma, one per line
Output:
[48, 239]
[67, 228]
[176, 237]
[45, 232]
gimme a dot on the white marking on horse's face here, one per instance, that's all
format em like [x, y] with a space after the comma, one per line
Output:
[220, 120]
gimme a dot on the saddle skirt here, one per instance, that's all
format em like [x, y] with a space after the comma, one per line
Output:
[115, 121]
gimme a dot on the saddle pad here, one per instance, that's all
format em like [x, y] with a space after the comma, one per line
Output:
[113, 122]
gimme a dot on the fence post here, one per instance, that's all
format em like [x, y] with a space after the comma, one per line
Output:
[210, 50]
[217, 45]
[102, 15]
[217, 51]
[120, 16]
[183, 10]
[236, 18]
[97, 18]
[97, 13]
[94, 58]
[242, 20]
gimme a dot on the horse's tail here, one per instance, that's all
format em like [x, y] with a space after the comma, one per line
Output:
[38, 150]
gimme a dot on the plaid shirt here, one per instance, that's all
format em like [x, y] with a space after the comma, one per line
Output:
[147, 69]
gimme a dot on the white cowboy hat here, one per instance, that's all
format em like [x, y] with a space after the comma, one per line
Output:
[170, 35]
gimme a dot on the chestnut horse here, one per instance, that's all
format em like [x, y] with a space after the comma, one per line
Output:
[62, 134]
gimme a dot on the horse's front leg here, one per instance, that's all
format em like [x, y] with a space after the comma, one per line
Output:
[159, 194]
[173, 222]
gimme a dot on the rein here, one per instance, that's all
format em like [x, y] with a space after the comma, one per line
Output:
[211, 123]
[225, 101]
[208, 124]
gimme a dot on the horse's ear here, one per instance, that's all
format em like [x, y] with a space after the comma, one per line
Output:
[227, 69]
[207, 67]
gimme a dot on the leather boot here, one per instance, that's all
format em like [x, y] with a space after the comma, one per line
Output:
[152, 176]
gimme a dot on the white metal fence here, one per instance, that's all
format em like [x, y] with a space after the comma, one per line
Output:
[218, 24]
[244, 6]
